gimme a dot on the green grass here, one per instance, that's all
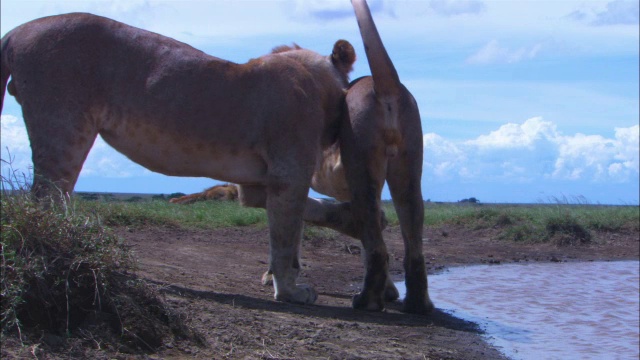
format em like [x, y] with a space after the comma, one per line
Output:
[565, 224]
[562, 223]
[204, 214]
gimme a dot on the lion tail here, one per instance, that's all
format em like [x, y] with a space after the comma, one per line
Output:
[386, 82]
[5, 71]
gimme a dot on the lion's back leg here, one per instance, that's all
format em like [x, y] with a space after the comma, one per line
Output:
[365, 170]
[404, 179]
[60, 139]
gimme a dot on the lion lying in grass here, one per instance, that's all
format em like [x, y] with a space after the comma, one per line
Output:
[228, 192]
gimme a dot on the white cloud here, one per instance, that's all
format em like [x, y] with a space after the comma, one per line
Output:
[534, 151]
[513, 135]
[594, 157]
[493, 53]
[443, 157]
[104, 161]
[16, 153]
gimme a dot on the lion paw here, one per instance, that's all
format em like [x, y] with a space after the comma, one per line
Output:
[361, 302]
[421, 305]
[391, 292]
[302, 294]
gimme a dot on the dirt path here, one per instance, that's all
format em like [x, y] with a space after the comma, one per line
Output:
[214, 276]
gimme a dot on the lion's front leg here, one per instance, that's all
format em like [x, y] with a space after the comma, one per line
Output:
[285, 205]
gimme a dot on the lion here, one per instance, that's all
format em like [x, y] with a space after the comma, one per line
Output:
[225, 192]
[380, 140]
[178, 111]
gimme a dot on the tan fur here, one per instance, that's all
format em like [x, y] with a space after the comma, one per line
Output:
[178, 111]
[225, 192]
[380, 141]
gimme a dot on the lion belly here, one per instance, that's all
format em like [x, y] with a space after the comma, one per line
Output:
[176, 154]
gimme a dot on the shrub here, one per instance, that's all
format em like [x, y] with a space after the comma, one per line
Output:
[63, 273]
[566, 230]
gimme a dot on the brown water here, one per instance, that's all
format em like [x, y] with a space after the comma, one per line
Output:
[585, 310]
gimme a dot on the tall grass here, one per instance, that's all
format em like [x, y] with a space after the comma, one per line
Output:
[54, 263]
[65, 273]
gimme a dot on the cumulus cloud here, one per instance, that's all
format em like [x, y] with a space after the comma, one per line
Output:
[534, 151]
[494, 53]
[594, 157]
[457, 7]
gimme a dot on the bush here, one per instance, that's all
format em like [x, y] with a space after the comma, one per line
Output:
[65, 274]
[566, 230]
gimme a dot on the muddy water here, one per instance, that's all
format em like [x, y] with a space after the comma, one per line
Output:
[548, 311]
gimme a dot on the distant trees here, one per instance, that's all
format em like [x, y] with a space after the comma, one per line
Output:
[470, 200]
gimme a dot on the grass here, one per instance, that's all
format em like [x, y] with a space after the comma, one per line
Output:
[565, 224]
[562, 223]
[204, 214]
[64, 273]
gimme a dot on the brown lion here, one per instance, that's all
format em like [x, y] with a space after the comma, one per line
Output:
[178, 111]
[380, 140]
[225, 192]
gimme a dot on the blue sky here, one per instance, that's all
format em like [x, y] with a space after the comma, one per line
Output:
[521, 101]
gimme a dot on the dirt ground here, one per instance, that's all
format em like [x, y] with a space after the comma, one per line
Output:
[213, 277]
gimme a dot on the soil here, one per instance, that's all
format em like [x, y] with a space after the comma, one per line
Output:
[213, 278]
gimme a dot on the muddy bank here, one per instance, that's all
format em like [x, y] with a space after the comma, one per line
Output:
[213, 278]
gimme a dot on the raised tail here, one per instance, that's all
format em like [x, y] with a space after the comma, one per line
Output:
[387, 85]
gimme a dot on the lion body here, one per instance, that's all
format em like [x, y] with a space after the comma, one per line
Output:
[379, 141]
[178, 111]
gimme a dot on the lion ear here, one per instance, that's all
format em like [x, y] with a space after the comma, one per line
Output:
[343, 56]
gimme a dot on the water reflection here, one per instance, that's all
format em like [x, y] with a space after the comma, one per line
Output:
[548, 311]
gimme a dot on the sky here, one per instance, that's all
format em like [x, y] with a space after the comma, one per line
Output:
[521, 101]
